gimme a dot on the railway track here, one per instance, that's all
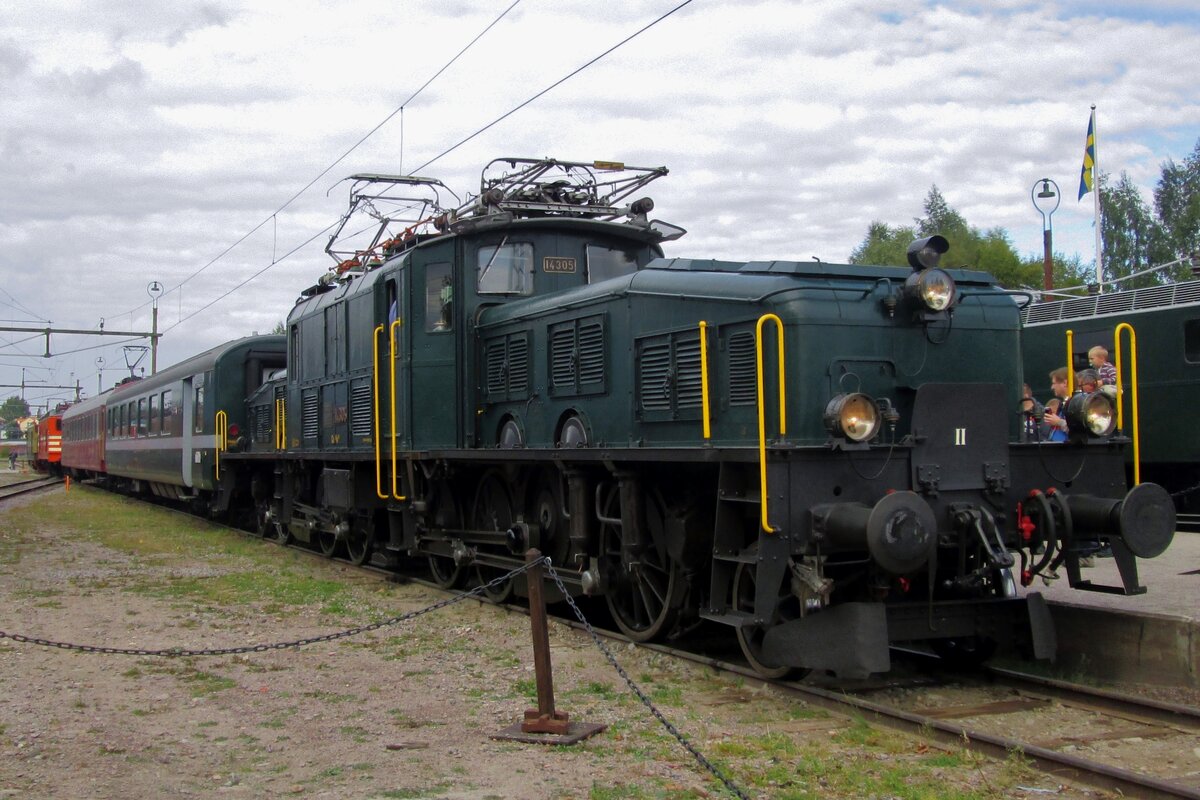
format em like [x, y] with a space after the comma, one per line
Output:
[996, 712]
[11, 490]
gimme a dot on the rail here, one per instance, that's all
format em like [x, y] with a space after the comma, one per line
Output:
[704, 379]
[222, 424]
[1133, 391]
[392, 395]
[1070, 365]
[762, 414]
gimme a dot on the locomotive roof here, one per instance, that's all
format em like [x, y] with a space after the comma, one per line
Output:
[1184, 293]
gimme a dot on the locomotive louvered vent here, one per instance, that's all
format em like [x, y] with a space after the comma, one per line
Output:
[1083, 307]
[1187, 292]
[518, 365]
[308, 414]
[361, 418]
[1173, 294]
[496, 378]
[262, 423]
[1154, 297]
[688, 388]
[591, 354]
[741, 369]
[1114, 303]
[562, 358]
[655, 394]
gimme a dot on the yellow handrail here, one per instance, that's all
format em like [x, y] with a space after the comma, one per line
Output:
[762, 415]
[222, 423]
[378, 433]
[704, 377]
[1070, 366]
[1133, 390]
[392, 394]
[280, 424]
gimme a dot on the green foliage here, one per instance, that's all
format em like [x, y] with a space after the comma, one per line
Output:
[14, 407]
[1133, 238]
[988, 250]
[1177, 204]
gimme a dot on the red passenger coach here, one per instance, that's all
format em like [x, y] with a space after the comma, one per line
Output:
[83, 438]
[49, 443]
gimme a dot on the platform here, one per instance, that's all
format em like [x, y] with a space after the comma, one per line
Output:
[1148, 638]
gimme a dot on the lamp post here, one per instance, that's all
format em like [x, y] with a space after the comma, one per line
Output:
[1046, 202]
[99, 375]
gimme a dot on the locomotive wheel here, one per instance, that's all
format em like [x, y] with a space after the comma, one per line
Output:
[262, 520]
[492, 511]
[358, 542]
[327, 543]
[446, 573]
[645, 599]
[750, 637]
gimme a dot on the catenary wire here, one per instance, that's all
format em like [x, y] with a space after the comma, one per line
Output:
[337, 161]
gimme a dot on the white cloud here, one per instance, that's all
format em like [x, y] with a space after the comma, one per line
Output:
[138, 142]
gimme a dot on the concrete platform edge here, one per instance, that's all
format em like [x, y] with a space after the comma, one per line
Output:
[1116, 645]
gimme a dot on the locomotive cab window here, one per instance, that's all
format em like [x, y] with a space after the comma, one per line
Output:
[505, 268]
[439, 299]
[607, 262]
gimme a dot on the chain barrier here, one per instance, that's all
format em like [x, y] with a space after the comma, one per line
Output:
[1188, 490]
[178, 652]
[736, 790]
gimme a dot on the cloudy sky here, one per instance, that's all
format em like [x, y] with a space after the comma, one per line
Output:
[140, 141]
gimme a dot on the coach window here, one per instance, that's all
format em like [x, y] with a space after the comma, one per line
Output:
[131, 418]
[154, 418]
[439, 298]
[606, 262]
[198, 411]
[143, 428]
[165, 410]
[1191, 341]
[505, 268]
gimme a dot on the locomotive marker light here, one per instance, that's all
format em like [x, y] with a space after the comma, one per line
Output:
[930, 284]
[853, 416]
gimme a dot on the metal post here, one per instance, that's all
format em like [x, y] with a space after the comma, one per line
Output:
[154, 340]
[544, 724]
[1047, 260]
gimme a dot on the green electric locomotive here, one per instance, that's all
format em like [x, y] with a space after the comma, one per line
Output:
[824, 457]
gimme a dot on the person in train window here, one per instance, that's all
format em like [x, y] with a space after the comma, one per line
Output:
[1055, 424]
[1098, 358]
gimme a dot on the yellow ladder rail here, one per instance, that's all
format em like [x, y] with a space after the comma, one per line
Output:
[378, 433]
[1133, 391]
[392, 394]
[280, 424]
[1070, 367]
[762, 416]
[222, 424]
[704, 378]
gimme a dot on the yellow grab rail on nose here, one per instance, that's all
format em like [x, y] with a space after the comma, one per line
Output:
[1133, 391]
[762, 415]
[704, 377]
[1070, 366]
[222, 423]
[382, 495]
[392, 394]
[280, 424]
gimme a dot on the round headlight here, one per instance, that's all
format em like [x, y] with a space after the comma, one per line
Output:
[936, 289]
[854, 416]
[1093, 414]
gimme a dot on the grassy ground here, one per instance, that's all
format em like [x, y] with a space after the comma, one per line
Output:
[107, 570]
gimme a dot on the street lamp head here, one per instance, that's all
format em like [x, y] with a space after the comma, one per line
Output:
[1046, 191]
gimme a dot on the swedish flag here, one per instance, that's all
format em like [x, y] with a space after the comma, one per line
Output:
[1086, 176]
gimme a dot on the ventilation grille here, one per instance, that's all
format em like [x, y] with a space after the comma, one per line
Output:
[688, 385]
[577, 356]
[361, 421]
[655, 391]
[262, 423]
[742, 384]
[669, 376]
[308, 414]
[506, 362]
[1171, 294]
[518, 365]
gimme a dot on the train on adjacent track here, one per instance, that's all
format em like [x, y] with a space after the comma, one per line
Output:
[823, 457]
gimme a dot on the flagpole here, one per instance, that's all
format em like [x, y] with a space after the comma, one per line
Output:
[1096, 201]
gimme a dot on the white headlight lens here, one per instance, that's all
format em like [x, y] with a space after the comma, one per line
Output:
[854, 416]
[1092, 413]
[936, 288]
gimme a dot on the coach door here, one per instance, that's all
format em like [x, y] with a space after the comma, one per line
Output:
[395, 361]
[434, 331]
[186, 467]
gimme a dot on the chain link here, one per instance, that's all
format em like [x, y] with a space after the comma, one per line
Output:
[177, 652]
[736, 790]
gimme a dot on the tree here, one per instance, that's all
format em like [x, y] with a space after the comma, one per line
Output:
[988, 251]
[279, 327]
[1133, 238]
[1177, 205]
[14, 407]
